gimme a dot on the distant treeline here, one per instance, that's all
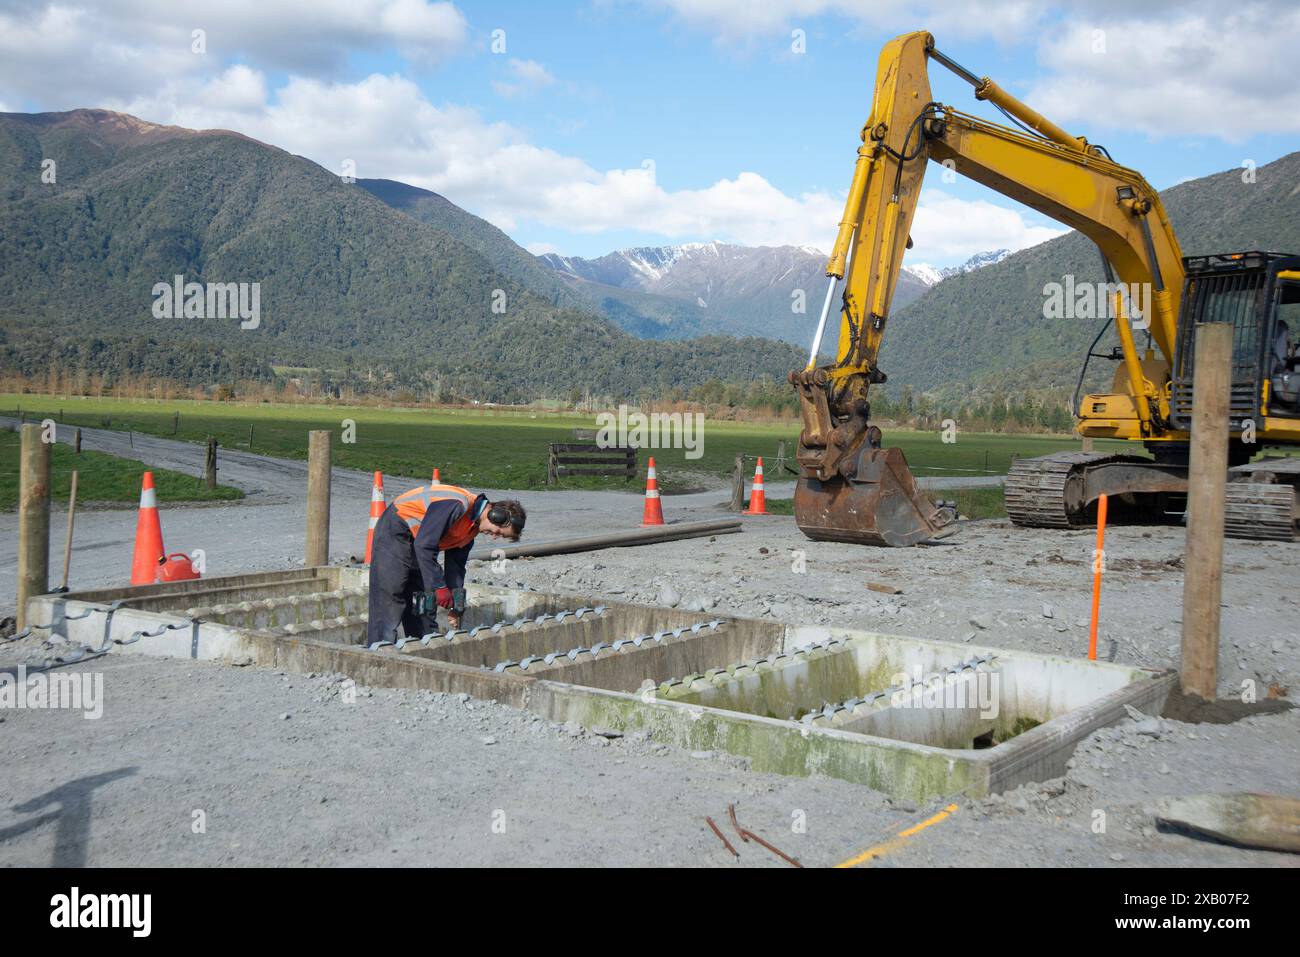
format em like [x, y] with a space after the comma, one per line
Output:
[509, 366]
[752, 401]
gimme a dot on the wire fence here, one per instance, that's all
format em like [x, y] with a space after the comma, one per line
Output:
[115, 463]
[783, 465]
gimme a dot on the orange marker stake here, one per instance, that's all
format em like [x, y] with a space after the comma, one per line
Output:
[1098, 564]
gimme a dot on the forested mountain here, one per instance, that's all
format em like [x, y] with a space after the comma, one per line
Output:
[388, 286]
[345, 281]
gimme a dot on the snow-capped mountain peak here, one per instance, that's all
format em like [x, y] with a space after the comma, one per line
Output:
[696, 270]
[978, 261]
[932, 274]
[924, 272]
[718, 287]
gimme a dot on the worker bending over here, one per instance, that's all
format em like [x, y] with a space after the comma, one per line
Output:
[407, 585]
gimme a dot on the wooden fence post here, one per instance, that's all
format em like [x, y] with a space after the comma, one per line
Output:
[1207, 475]
[33, 519]
[318, 497]
[210, 464]
[737, 503]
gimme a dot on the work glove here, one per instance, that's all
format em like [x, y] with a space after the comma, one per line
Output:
[425, 602]
[444, 597]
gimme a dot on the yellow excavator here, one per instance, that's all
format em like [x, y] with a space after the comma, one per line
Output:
[851, 489]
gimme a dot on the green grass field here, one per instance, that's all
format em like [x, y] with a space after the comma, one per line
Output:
[977, 502]
[493, 449]
[101, 478]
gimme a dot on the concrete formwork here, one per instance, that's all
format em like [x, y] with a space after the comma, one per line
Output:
[902, 715]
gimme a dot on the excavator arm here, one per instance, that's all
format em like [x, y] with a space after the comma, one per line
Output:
[850, 488]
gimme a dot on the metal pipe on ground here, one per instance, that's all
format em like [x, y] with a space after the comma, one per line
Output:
[640, 536]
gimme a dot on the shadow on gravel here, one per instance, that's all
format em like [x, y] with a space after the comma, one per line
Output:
[74, 811]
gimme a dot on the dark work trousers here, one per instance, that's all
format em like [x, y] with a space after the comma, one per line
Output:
[394, 578]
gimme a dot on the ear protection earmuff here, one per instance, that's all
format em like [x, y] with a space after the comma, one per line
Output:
[499, 515]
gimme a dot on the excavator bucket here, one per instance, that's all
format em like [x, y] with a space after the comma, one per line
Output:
[879, 505]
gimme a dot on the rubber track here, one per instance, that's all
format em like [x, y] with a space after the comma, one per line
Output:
[1035, 496]
[1259, 510]
[1034, 491]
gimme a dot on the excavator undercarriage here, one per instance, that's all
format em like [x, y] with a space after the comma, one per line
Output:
[1061, 491]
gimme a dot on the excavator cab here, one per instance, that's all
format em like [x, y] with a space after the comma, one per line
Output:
[1284, 353]
[1258, 294]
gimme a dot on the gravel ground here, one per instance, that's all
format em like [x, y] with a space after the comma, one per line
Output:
[285, 771]
[410, 778]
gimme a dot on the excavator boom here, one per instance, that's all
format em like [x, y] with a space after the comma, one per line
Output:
[850, 488]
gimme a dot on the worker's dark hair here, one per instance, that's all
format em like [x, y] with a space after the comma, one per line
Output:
[511, 513]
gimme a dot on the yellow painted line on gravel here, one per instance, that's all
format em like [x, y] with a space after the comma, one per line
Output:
[894, 843]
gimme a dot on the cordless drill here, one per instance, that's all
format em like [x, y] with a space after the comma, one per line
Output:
[457, 610]
[426, 603]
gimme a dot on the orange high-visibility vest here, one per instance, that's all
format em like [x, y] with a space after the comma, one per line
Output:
[412, 505]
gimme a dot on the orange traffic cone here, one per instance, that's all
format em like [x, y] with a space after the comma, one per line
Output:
[148, 537]
[654, 512]
[437, 478]
[376, 510]
[757, 500]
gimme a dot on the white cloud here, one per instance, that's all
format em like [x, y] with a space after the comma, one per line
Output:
[1199, 73]
[423, 31]
[948, 228]
[542, 249]
[492, 169]
[74, 53]
[735, 20]
[139, 60]
[1170, 67]
[529, 76]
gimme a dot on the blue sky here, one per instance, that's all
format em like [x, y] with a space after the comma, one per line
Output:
[749, 141]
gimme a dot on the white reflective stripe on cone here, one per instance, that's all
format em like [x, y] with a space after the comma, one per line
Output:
[148, 499]
[652, 493]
